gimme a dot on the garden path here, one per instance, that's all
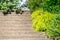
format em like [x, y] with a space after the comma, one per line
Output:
[18, 27]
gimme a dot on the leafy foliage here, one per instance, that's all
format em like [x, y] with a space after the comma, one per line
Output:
[37, 25]
[8, 4]
[34, 4]
[40, 19]
[46, 16]
[52, 6]
[46, 21]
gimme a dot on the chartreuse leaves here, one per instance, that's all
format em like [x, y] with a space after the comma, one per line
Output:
[46, 21]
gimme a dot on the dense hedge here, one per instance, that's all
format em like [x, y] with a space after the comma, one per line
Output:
[46, 21]
[46, 16]
[52, 6]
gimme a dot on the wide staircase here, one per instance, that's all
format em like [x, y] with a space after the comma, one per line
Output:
[18, 27]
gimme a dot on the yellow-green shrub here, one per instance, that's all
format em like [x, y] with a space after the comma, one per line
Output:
[40, 19]
[48, 22]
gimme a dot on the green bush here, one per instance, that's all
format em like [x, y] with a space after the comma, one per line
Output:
[52, 6]
[46, 21]
[34, 4]
[46, 16]
[11, 4]
[40, 19]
